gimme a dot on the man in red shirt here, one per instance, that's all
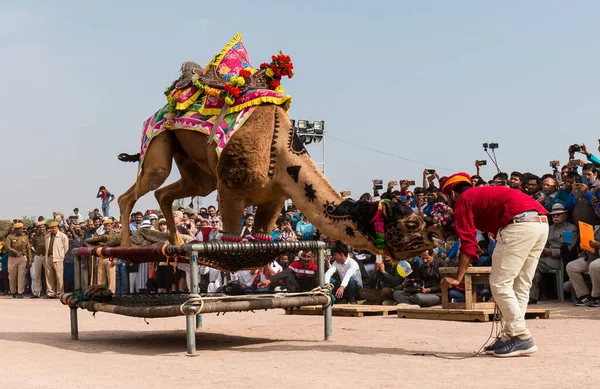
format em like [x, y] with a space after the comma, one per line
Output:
[520, 225]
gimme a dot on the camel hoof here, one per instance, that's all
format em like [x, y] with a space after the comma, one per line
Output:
[178, 240]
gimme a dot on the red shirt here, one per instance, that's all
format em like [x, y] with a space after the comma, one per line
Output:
[300, 272]
[488, 209]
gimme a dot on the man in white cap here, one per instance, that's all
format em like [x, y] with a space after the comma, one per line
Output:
[562, 234]
[57, 245]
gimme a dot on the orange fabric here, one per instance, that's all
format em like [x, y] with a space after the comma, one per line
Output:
[451, 182]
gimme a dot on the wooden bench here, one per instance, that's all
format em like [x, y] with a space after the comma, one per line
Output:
[473, 276]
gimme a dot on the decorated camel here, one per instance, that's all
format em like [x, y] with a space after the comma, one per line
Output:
[227, 129]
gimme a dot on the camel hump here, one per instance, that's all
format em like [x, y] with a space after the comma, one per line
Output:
[124, 157]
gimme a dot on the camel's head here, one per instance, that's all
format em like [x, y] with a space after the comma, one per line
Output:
[393, 227]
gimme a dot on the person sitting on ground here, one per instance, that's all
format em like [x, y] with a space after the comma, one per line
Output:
[587, 262]
[424, 289]
[348, 272]
[299, 276]
[382, 282]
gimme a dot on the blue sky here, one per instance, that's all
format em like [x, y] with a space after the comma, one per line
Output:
[428, 81]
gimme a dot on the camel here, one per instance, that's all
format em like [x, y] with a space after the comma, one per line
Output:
[264, 164]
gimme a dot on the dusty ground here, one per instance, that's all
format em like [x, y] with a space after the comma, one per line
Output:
[270, 349]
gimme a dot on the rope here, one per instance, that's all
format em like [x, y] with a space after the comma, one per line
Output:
[197, 301]
[495, 328]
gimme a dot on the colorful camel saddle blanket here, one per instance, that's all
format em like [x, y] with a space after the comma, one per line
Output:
[192, 120]
[232, 61]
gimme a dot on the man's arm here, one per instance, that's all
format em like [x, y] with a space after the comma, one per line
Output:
[112, 197]
[9, 249]
[329, 273]
[29, 255]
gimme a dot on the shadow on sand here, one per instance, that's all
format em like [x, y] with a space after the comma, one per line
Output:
[174, 342]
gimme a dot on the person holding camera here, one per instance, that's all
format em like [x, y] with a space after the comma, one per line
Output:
[381, 284]
[520, 225]
[424, 290]
[106, 198]
[583, 200]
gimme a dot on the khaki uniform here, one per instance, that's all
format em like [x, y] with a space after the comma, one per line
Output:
[107, 272]
[19, 253]
[39, 258]
[55, 256]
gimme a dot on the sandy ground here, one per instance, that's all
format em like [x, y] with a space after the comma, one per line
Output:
[269, 349]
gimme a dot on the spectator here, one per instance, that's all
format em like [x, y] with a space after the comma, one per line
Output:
[106, 197]
[587, 262]
[79, 217]
[550, 194]
[39, 259]
[19, 257]
[533, 186]
[562, 237]
[382, 282]
[426, 291]
[298, 276]
[304, 229]
[57, 245]
[516, 180]
[500, 179]
[106, 267]
[348, 272]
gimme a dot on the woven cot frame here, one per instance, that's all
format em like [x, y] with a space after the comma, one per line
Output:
[209, 251]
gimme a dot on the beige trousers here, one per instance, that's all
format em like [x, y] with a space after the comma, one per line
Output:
[514, 261]
[54, 277]
[107, 274]
[38, 272]
[16, 274]
[577, 268]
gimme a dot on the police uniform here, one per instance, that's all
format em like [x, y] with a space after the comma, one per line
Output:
[19, 253]
[37, 269]
[107, 273]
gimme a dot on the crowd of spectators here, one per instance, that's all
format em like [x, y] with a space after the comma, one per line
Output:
[569, 193]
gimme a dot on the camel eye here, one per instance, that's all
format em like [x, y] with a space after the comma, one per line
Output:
[411, 225]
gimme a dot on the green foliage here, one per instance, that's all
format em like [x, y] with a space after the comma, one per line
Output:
[28, 221]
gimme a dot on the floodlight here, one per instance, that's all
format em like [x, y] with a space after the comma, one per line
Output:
[302, 124]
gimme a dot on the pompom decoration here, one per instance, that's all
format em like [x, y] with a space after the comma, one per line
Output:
[378, 224]
[442, 215]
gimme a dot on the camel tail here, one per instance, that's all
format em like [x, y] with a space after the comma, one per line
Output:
[124, 157]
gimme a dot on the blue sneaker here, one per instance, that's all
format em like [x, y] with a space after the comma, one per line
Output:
[515, 347]
[489, 350]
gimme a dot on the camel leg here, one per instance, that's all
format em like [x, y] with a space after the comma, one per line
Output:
[155, 170]
[231, 213]
[193, 182]
[267, 215]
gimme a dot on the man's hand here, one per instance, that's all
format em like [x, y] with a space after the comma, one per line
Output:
[594, 244]
[264, 284]
[585, 151]
[392, 184]
[547, 252]
[450, 282]
[541, 199]
[425, 290]
[340, 292]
